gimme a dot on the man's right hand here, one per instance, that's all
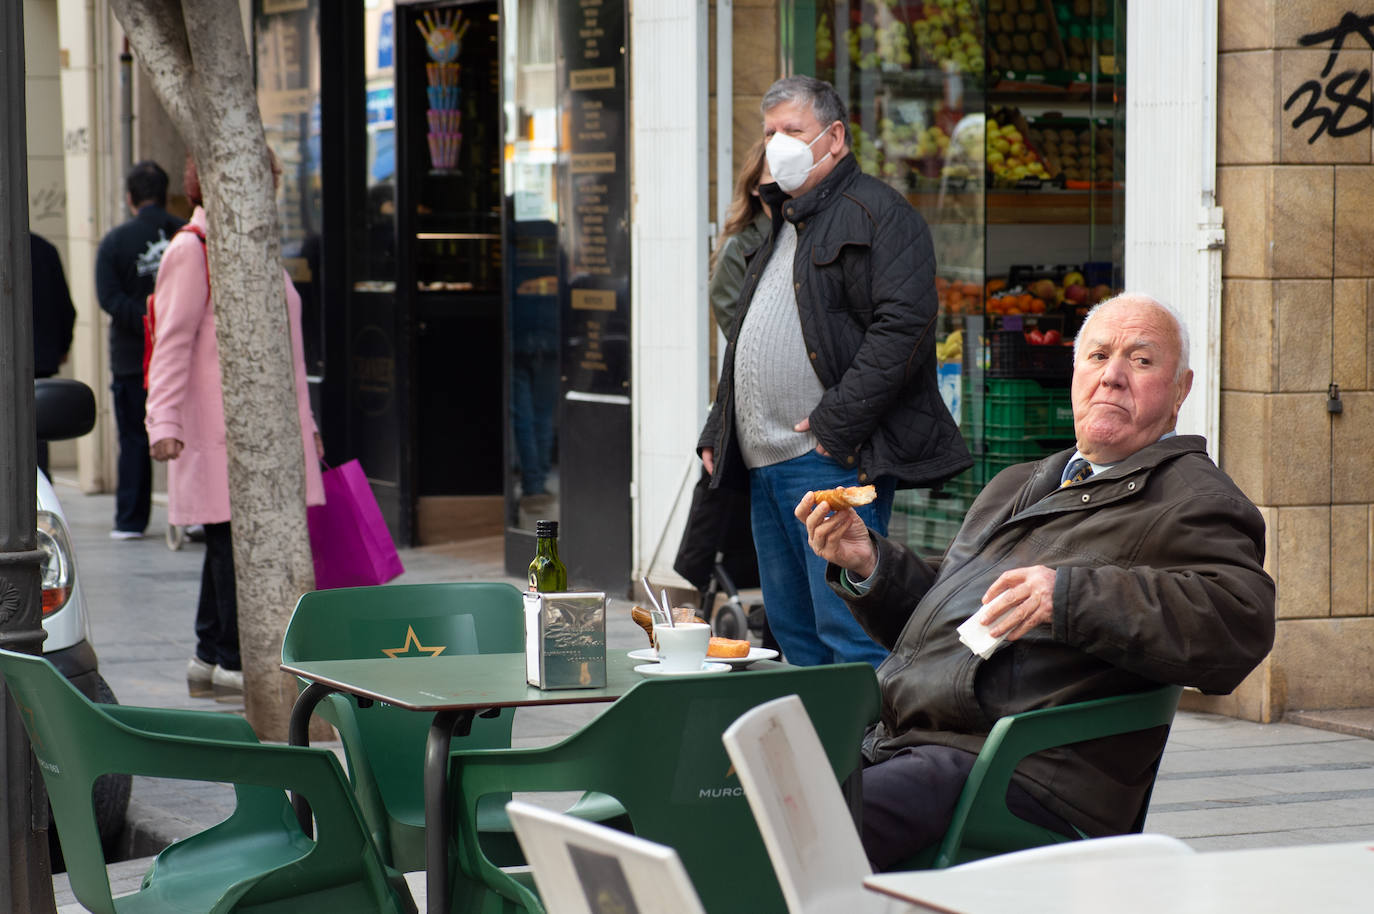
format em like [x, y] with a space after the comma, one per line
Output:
[840, 537]
[708, 459]
[166, 449]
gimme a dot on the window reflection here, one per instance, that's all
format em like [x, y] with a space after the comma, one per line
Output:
[288, 70]
[531, 145]
[374, 263]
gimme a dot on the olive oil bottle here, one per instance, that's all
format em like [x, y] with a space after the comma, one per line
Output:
[547, 572]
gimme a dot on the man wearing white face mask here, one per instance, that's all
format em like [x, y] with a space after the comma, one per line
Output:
[829, 377]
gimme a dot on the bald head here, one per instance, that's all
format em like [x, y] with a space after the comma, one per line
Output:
[1137, 300]
[1130, 376]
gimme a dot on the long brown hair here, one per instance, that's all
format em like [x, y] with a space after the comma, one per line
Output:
[746, 205]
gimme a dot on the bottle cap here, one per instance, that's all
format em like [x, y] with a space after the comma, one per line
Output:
[543, 528]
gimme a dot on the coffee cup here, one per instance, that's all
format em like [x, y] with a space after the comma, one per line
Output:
[682, 647]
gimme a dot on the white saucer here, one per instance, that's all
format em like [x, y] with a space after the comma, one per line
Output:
[755, 653]
[649, 655]
[655, 669]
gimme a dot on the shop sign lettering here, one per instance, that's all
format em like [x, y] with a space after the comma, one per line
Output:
[1351, 109]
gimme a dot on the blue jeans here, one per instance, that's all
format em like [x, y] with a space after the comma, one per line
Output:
[812, 624]
[534, 393]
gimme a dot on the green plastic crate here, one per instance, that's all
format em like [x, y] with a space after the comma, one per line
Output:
[927, 524]
[1061, 418]
[1016, 450]
[1016, 408]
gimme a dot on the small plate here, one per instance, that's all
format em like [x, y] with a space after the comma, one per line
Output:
[654, 669]
[645, 654]
[739, 663]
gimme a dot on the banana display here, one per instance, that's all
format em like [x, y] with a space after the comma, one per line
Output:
[951, 348]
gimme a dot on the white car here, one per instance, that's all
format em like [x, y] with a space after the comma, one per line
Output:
[66, 409]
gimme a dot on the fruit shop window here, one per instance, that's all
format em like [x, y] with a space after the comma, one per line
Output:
[908, 71]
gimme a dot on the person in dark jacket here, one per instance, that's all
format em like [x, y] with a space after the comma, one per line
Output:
[125, 270]
[1129, 562]
[829, 378]
[53, 316]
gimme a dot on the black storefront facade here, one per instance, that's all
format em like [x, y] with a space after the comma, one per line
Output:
[455, 213]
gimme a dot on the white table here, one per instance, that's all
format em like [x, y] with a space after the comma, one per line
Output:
[1329, 878]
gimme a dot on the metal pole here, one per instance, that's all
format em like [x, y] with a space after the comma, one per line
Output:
[725, 111]
[25, 879]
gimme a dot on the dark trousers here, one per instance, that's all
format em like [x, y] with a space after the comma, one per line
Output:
[908, 802]
[134, 487]
[534, 394]
[217, 615]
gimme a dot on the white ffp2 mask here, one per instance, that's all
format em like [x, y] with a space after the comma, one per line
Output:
[789, 159]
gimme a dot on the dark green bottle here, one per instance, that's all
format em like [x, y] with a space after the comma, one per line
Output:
[547, 573]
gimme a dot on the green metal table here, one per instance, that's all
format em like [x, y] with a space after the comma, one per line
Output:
[455, 689]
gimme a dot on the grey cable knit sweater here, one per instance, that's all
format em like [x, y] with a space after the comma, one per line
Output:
[775, 385]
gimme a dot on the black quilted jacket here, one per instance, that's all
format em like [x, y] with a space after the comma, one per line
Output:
[865, 279]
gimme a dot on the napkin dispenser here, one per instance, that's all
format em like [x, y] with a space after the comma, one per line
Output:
[565, 640]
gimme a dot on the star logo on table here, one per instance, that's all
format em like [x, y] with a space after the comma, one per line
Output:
[412, 647]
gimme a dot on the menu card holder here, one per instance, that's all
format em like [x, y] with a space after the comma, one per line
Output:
[565, 640]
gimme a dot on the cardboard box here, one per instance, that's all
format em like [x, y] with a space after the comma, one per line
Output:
[565, 640]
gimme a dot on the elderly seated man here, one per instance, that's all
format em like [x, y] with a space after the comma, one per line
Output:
[1130, 562]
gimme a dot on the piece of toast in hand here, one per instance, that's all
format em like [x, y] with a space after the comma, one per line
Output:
[846, 496]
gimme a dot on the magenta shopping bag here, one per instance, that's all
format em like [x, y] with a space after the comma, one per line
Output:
[348, 537]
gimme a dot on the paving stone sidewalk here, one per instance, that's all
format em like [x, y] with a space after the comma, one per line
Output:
[1223, 784]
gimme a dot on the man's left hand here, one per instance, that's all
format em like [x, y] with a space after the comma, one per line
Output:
[1018, 601]
[805, 426]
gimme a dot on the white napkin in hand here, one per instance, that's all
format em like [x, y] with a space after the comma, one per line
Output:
[976, 638]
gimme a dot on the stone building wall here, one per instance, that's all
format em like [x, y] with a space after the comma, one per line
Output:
[756, 61]
[1295, 161]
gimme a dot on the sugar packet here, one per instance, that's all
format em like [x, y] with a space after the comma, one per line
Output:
[976, 637]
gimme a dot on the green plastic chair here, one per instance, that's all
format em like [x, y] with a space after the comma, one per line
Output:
[256, 860]
[983, 826]
[385, 746]
[658, 751]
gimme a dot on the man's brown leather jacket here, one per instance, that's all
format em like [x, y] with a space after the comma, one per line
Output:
[1160, 579]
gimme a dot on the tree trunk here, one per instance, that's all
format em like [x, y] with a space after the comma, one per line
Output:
[197, 58]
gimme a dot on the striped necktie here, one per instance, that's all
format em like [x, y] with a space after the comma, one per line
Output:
[1078, 470]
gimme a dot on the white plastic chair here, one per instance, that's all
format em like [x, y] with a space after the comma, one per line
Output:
[801, 813]
[1115, 847]
[575, 861]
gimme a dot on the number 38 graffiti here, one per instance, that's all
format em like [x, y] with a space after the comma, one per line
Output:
[1352, 108]
[1330, 118]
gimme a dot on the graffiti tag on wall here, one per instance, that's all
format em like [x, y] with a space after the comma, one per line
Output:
[47, 203]
[1351, 109]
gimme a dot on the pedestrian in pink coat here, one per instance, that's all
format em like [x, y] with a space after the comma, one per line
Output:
[185, 421]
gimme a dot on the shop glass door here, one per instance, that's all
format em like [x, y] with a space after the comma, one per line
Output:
[530, 199]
